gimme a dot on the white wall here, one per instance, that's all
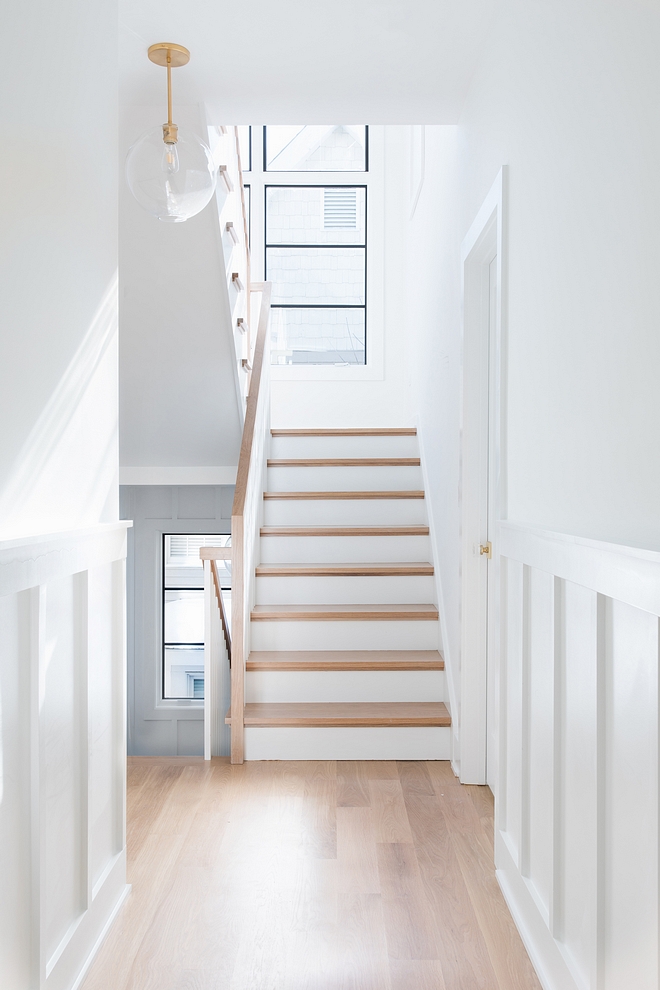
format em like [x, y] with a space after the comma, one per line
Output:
[433, 279]
[62, 595]
[565, 96]
[58, 371]
[178, 388]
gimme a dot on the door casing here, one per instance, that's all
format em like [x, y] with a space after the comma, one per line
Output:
[482, 491]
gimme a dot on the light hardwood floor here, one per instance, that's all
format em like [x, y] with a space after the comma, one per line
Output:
[309, 876]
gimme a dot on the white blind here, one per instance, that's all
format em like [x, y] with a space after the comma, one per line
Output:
[340, 208]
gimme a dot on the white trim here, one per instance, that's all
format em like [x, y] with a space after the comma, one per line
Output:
[102, 936]
[35, 560]
[416, 191]
[626, 574]
[482, 497]
[177, 475]
[444, 638]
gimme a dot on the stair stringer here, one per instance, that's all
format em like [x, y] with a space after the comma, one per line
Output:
[451, 699]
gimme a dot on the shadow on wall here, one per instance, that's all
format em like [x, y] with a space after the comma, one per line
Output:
[54, 483]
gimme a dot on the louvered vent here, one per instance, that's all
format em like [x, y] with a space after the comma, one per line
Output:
[340, 208]
[182, 546]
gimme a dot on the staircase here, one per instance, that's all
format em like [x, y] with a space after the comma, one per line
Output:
[344, 660]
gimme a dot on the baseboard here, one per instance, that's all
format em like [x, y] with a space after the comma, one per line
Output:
[101, 938]
[544, 951]
[69, 963]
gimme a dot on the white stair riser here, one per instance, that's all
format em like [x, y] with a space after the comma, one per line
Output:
[353, 635]
[345, 590]
[344, 685]
[349, 743]
[343, 549]
[344, 479]
[345, 512]
[344, 447]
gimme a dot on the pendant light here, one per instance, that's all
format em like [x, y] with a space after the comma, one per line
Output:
[170, 171]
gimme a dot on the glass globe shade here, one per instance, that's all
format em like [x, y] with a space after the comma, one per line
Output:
[171, 181]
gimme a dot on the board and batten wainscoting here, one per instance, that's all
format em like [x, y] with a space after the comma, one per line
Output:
[62, 752]
[577, 795]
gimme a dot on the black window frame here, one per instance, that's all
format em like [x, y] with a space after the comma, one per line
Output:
[301, 171]
[364, 247]
[164, 589]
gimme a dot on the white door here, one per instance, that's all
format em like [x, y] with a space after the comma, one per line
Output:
[492, 652]
[481, 494]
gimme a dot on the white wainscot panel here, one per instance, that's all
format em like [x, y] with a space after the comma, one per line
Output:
[630, 854]
[576, 922]
[577, 795]
[510, 811]
[105, 718]
[62, 752]
[15, 959]
[539, 763]
[63, 717]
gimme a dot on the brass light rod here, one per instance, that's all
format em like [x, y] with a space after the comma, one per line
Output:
[171, 56]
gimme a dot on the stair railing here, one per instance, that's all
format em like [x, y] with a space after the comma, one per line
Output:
[246, 521]
[217, 653]
[235, 250]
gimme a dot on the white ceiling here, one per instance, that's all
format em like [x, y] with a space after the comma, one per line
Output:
[309, 61]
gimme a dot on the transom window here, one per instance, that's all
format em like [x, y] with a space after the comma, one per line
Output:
[316, 148]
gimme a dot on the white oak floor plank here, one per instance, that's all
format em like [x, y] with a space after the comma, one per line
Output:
[315, 875]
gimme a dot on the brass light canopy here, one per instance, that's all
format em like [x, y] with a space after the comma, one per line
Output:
[166, 53]
[170, 172]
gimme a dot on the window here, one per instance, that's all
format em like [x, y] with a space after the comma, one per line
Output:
[316, 148]
[316, 254]
[183, 611]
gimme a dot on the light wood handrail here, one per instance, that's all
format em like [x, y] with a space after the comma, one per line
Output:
[244, 458]
[221, 605]
[239, 605]
[215, 553]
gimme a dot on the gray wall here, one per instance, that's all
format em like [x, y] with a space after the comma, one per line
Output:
[157, 727]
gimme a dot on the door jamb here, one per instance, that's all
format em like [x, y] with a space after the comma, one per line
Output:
[481, 363]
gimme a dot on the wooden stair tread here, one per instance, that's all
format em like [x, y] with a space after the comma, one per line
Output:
[396, 713]
[344, 570]
[379, 432]
[343, 495]
[343, 613]
[344, 462]
[344, 531]
[345, 660]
